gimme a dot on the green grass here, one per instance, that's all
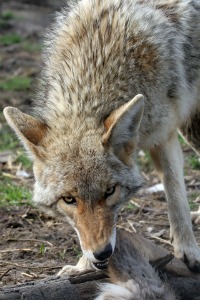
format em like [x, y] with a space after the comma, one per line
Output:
[18, 83]
[11, 194]
[42, 250]
[129, 207]
[182, 140]
[10, 39]
[77, 251]
[7, 15]
[63, 254]
[24, 160]
[194, 162]
[8, 140]
[191, 198]
[30, 47]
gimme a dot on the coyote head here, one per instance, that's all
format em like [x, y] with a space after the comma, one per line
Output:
[85, 175]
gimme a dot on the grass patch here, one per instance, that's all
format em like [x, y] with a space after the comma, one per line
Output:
[8, 139]
[7, 15]
[129, 207]
[192, 197]
[11, 194]
[31, 47]
[77, 252]
[42, 250]
[194, 162]
[182, 140]
[10, 39]
[24, 160]
[18, 83]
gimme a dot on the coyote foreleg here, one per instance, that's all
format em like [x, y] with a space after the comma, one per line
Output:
[83, 266]
[168, 160]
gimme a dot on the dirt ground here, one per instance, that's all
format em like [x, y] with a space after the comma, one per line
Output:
[34, 245]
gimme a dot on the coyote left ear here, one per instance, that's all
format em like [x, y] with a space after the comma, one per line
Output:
[30, 130]
[122, 126]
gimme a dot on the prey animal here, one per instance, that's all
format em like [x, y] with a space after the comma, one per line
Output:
[130, 273]
[118, 76]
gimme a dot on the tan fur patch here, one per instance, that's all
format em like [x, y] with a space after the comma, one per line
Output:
[95, 225]
[144, 54]
[155, 154]
[110, 120]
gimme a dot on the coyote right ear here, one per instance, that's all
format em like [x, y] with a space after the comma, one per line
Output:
[122, 126]
[30, 130]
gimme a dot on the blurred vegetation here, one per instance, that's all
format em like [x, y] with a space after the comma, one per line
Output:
[17, 83]
[194, 162]
[11, 194]
[5, 17]
[30, 46]
[9, 39]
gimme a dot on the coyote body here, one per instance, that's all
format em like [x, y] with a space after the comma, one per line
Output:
[99, 55]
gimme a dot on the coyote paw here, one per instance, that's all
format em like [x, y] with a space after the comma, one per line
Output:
[190, 254]
[69, 271]
[84, 265]
[196, 216]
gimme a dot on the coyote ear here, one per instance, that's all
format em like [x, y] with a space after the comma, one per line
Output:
[29, 130]
[122, 126]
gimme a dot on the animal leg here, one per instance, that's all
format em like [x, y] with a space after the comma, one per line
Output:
[84, 265]
[168, 160]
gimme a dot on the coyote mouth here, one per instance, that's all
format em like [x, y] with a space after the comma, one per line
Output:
[101, 265]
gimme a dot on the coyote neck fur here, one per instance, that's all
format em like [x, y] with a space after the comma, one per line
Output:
[85, 80]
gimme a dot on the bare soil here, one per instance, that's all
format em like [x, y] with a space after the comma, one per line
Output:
[34, 245]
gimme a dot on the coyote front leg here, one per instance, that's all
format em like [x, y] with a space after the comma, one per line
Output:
[168, 160]
[84, 265]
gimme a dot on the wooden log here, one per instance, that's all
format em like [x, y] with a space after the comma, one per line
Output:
[82, 287]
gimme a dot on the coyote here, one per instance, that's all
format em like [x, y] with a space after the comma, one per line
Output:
[119, 75]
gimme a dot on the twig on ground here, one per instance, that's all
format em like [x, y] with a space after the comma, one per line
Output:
[16, 250]
[161, 240]
[30, 267]
[6, 272]
[30, 240]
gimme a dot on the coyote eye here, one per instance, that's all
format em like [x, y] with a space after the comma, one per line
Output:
[110, 191]
[69, 199]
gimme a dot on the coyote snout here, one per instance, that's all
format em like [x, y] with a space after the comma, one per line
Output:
[96, 233]
[104, 253]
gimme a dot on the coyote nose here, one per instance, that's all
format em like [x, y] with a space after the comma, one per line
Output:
[103, 254]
